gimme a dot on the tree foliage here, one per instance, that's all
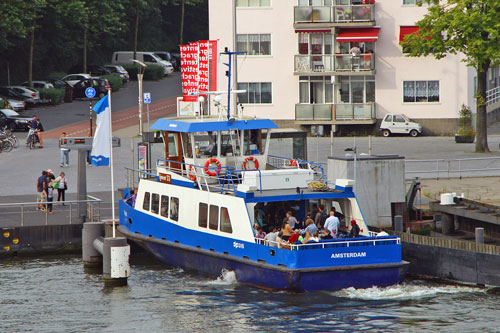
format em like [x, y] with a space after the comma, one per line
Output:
[467, 27]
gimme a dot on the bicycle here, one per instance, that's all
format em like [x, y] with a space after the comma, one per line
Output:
[11, 137]
[32, 140]
[5, 143]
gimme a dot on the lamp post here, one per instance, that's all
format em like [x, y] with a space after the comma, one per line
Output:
[140, 75]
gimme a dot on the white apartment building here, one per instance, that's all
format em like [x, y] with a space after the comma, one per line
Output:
[302, 67]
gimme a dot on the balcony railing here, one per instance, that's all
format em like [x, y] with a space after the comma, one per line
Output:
[334, 63]
[334, 14]
[340, 111]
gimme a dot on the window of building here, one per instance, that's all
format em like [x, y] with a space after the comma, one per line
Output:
[315, 43]
[315, 90]
[174, 208]
[225, 221]
[164, 206]
[414, 2]
[420, 91]
[315, 2]
[253, 3]
[355, 89]
[254, 44]
[155, 203]
[145, 203]
[202, 215]
[256, 93]
[213, 222]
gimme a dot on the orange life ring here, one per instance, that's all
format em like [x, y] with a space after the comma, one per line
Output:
[293, 163]
[210, 161]
[251, 158]
[191, 176]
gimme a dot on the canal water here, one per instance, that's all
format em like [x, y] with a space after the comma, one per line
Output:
[55, 294]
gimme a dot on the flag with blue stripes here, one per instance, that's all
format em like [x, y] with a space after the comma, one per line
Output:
[101, 145]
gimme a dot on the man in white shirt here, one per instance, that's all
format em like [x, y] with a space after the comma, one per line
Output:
[332, 223]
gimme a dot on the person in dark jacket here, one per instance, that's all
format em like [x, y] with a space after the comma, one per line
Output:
[354, 229]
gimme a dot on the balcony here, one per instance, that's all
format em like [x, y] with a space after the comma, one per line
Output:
[335, 15]
[334, 64]
[341, 113]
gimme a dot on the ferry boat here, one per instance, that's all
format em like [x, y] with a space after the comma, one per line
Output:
[217, 179]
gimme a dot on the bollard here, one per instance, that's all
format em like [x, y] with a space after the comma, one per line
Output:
[91, 257]
[398, 223]
[479, 235]
[116, 266]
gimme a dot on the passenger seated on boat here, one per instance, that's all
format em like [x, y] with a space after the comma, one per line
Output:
[327, 234]
[310, 227]
[255, 228]
[271, 238]
[287, 231]
[382, 233]
[315, 237]
[354, 229]
[308, 238]
[260, 234]
[295, 237]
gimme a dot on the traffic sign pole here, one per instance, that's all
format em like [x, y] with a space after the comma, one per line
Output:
[90, 93]
[147, 101]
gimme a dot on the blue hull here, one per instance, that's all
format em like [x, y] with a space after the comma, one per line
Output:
[271, 276]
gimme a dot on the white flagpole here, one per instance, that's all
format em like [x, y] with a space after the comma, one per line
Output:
[111, 163]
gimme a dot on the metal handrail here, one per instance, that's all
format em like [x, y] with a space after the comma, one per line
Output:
[444, 167]
[91, 201]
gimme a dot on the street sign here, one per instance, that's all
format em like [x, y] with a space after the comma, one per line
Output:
[90, 92]
[147, 98]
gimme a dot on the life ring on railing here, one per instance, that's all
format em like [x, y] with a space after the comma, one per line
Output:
[208, 163]
[293, 163]
[253, 159]
[191, 176]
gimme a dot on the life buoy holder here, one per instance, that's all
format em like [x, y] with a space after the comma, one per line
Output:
[191, 175]
[208, 163]
[253, 159]
[293, 163]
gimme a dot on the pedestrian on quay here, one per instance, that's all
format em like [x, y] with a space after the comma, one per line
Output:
[64, 152]
[62, 186]
[50, 197]
[50, 175]
[39, 127]
[41, 187]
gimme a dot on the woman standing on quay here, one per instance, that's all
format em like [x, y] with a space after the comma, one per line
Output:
[63, 186]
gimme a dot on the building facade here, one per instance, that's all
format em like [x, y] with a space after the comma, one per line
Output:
[337, 63]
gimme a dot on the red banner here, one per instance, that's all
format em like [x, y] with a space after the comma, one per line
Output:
[199, 68]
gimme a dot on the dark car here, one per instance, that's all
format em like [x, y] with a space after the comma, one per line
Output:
[101, 87]
[92, 69]
[13, 120]
[168, 57]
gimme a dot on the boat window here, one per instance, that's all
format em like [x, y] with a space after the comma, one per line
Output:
[225, 221]
[145, 203]
[155, 203]
[186, 145]
[174, 208]
[214, 217]
[164, 206]
[172, 145]
[202, 215]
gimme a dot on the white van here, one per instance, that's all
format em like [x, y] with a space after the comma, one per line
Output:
[149, 58]
[399, 124]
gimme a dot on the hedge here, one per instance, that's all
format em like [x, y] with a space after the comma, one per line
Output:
[115, 81]
[153, 72]
[54, 95]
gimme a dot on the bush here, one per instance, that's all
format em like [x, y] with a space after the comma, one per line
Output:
[153, 72]
[115, 81]
[3, 103]
[54, 95]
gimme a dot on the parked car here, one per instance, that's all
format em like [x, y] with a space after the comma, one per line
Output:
[38, 84]
[168, 57]
[68, 88]
[74, 78]
[120, 71]
[16, 104]
[11, 93]
[148, 58]
[92, 69]
[13, 120]
[101, 87]
[27, 92]
[399, 124]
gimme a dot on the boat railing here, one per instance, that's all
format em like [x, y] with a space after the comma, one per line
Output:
[280, 162]
[352, 242]
[219, 179]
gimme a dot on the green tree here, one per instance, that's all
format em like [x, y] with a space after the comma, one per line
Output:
[469, 27]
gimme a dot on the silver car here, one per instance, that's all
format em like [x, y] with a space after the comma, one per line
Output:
[32, 95]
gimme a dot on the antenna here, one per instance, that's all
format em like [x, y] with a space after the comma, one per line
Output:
[230, 54]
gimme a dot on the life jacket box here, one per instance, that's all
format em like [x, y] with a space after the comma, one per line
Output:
[278, 179]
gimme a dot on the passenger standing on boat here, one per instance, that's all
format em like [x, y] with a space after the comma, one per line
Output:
[132, 198]
[320, 217]
[332, 223]
[292, 220]
[354, 229]
[314, 210]
[338, 215]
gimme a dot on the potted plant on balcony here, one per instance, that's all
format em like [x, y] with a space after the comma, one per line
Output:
[368, 2]
[466, 133]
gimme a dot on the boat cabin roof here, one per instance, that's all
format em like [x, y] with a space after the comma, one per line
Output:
[207, 124]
